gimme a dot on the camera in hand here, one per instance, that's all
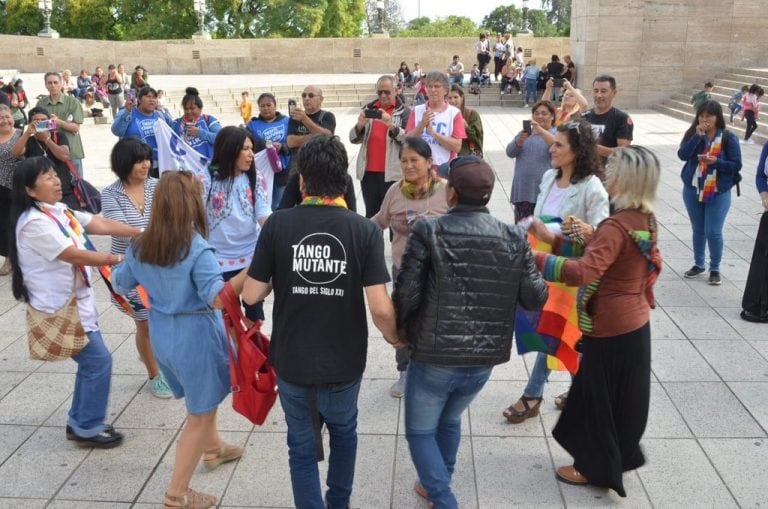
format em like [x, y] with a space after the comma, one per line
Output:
[527, 126]
[372, 113]
[45, 125]
[559, 82]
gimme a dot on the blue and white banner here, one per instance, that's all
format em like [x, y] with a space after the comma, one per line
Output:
[174, 154]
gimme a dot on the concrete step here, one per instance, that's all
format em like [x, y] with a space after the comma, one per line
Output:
[760, 136]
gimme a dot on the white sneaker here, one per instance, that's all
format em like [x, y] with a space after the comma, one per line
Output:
[398, 388]
[750, 141]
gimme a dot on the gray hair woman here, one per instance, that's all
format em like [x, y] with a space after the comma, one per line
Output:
[440, 124]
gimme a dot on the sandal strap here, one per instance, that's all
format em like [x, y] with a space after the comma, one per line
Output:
[190, 500]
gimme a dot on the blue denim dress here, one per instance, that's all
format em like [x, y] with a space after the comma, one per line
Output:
[187, 334]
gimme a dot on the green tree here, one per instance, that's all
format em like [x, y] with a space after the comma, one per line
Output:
[559, 14]
[540, 25]
[86, 19]
[343, 18]
[452, 26]
[155, 19]
[504, 19]
[418, 23]
[22, 17]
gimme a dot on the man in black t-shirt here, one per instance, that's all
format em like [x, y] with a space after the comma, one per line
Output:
[321, 258]
[612, 127]
[555, 70]
[310, 120]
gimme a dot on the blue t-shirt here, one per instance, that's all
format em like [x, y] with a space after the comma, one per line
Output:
[276, 130]
[208, 126]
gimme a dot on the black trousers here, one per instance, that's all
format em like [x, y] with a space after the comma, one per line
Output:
[607, 408]
[755, 299]
[5, 220]
[374, 188]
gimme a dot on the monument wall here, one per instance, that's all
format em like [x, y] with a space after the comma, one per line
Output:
[657, 47]
[251, 56]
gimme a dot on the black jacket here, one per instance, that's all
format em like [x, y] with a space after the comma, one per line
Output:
[460, 281]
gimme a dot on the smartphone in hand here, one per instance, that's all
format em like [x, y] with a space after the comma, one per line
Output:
[527, 126]
[372, 113]
[291, 106]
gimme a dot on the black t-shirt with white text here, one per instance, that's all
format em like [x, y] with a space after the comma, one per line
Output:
[319, 259]
[611, 126]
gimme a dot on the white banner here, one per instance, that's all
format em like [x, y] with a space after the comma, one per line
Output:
[173, 153]
[265, 173]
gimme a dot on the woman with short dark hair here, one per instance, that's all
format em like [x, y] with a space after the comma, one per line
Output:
[129, 200]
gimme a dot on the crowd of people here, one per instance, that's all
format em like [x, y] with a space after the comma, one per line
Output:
[459, 274]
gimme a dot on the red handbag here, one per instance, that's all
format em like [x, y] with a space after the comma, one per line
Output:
[253, 379]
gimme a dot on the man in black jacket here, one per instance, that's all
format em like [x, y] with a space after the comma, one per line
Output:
[460, 281]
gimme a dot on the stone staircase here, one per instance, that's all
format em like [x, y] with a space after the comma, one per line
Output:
[726, 83]
[226, 101]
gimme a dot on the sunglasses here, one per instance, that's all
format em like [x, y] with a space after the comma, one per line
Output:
[311, 95]
[383, 92]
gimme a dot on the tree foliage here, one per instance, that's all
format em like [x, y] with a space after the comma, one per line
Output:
[558, 14]
[22, 17]
[539, 24]
[452, 26]
[504, 19]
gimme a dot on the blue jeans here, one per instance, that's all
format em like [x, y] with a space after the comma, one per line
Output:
[78, 164]
[531, 94]
[91, 395]
[539, 376]
[338, 410]
[277, 195]
[435, 398]
[456, 80]
[707, 220]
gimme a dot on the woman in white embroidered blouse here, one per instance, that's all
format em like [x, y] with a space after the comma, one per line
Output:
[129, 200]
[236, 204]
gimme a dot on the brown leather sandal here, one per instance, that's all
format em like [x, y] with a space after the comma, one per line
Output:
[569, 475]
[190, 500]
[225, 454]
[517, 416]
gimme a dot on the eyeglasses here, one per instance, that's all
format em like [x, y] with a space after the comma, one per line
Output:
[311, 95]
[383, 92]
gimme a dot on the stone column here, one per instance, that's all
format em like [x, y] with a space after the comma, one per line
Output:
[656, 47]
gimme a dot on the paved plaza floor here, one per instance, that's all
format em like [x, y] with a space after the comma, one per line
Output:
[705, 442]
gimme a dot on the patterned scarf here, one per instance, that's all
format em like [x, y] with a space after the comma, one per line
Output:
[75, 231]
[645, 241]
[704, 180]
[419, 192]
[327, 201]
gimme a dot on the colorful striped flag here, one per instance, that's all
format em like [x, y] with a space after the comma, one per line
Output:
[555, 329]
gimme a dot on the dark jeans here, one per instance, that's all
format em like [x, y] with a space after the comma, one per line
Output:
[5, 220]
[337, 407]
[374, 188]
[253, 312]
[749, 116]
[498, 64]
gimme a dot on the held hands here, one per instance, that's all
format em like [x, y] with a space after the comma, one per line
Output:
[707, 159]
[522, 136]
[192, 130]
[426, 121]
[539, 230]
[536, 128]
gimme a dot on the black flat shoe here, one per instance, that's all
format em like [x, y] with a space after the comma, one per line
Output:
[751, 317]
[71, 434]
[107, 439]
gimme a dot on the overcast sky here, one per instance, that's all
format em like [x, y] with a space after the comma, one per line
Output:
[473, 9]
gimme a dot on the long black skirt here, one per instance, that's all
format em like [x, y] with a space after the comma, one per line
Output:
[755, 300]
[607, 409]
